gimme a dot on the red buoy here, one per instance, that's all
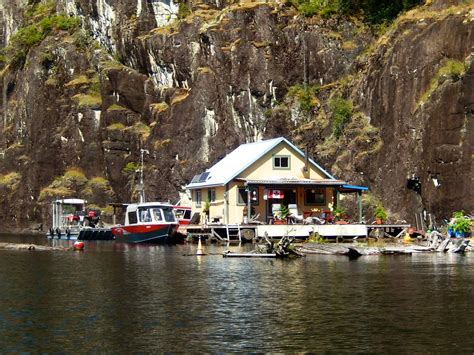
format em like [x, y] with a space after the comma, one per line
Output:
[79, 245]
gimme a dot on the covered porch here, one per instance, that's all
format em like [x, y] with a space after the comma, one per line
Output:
[296, 201]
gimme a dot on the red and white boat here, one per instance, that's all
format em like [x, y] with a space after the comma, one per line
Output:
[148, 222]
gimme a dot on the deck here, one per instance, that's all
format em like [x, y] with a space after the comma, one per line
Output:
[249, 232]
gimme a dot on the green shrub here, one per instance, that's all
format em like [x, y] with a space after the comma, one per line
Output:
[341, 113]
[306, 95]
[452, 69]
[380, 212]
[374, 12]
[29, 36]
[130, 168]
[461, 223]
[183, 10]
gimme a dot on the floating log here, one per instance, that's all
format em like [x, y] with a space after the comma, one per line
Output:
[248, 255]
[358, 250]
[16, 246]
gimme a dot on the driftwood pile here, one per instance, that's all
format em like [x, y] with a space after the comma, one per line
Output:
[435, 242]
[270, 249]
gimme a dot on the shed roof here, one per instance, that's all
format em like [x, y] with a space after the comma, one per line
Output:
[240, 159]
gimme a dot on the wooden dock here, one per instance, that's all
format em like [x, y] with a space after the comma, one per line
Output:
[250, 232]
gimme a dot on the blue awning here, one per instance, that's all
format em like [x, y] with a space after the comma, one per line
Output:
[354, 188]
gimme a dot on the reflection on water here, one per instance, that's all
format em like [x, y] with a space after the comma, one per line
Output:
[120, 297]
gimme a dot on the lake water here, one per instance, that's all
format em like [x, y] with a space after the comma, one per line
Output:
[122, 298]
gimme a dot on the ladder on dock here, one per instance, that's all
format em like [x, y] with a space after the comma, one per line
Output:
[233, 232]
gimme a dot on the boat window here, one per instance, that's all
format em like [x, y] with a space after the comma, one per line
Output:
[144, 214]
[132, 217]
[169, 215]
[187, 214]
[179, 213]
[157, 214]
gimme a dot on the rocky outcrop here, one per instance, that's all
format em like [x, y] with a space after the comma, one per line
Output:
[424, 111]
[189, 91]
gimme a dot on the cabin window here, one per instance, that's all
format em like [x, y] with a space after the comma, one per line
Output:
[144, 215]
[132, 217]
[242, 196]
[315, 196]
[211, 195]
[169, 215]
[198, 198]
[157, 214]
[182, 214]
[281, 162]
[187, 214]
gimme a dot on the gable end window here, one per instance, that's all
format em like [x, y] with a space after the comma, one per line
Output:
[281, 162]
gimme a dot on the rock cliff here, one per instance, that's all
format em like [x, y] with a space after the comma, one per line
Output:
[79, 104]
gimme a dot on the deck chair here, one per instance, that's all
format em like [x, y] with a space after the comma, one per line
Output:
[294, 213]
[276, 210]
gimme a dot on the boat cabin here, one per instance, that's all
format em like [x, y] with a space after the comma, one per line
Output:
[265, 182]
[149, 213]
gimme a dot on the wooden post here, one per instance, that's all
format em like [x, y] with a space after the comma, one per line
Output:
[226, 204]
[249, 204]
[338, 199]
[359, 205]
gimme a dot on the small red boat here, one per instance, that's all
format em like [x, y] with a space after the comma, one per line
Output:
[148, 222]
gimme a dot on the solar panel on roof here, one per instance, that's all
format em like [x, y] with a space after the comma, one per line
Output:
[195, 178]
[203, 177]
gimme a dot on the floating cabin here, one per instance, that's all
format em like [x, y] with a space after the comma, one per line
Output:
[271, 188]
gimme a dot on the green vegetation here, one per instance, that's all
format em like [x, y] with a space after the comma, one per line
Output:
[373, 11]
[380, 213]
[306, 96]
[452, 69]
[159, 107]
[41, 21]
[183, 10]
[98, 190]
[116, 107]
[85, 100]
[9, 183]
[91, 97]
[341, 114]
[78, 81]
[68, 185]
[316, 238]
[460, 223]
[130, 168]
[116, 127]
[141, 129]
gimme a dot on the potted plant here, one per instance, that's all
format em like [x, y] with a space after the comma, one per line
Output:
[282, 214]
[460, 225]
[380, 214]
[339, 215]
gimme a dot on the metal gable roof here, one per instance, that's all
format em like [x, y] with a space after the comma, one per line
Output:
[240, 159]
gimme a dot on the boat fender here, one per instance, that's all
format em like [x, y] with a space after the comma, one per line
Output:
[79, 245]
